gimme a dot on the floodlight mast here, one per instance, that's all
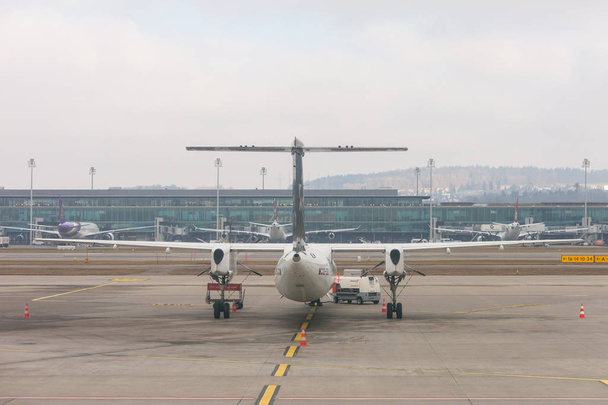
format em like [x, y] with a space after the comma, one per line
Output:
[31, 164]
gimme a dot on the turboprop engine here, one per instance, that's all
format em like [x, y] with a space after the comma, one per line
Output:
[393, 261]
[223, 261]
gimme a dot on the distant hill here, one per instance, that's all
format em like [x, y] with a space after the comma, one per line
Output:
[467, 178]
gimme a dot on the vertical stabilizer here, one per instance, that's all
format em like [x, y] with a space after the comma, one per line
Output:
[299, 236]
[274, 209]
[516, 208]
[61, 215]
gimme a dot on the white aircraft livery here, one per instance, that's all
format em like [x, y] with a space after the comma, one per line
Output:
[306, 272]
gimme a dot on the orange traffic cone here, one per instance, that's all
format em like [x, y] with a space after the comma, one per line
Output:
[233, 307]
[582, 314]
[27, 312]
[303, 338]
[383, 305]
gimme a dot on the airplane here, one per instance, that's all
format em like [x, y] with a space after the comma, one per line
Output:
[512, 231]
[275, 233]
[305, 272]
[75, 229]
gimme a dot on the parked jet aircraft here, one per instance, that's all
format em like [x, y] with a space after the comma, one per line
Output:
[275, 232]
[512, 231]
[305, 272]
[75, 229]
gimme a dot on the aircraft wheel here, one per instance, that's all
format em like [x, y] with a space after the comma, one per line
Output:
[399, 310]
[226, 310]
[389, 310]
[359, 300]
[216, 310]
[239, 305]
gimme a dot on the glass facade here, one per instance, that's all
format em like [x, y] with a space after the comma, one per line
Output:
[379, 214]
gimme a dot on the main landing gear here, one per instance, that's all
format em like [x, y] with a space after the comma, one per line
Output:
[394, 307]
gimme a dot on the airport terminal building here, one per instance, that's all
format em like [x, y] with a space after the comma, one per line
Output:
[380, 215]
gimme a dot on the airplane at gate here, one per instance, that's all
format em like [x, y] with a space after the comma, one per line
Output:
[275, 232]
[305, 272]
[75, 229]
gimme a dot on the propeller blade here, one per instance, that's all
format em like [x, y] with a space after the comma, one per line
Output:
[373, 268]
[251, 270]
[203, 272]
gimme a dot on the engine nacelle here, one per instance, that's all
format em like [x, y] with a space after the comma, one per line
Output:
[108, 236]
[168, 251]
[223, 261]
[393, 261]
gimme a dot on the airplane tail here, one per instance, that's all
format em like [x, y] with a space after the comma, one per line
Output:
[516, 208]
[274, 209]
[299, 234]
[61, 215]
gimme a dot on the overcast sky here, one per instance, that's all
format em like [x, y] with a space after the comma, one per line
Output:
[126, 86]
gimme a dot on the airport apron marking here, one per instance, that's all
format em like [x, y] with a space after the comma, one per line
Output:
[308, 317]
[490, 308]
[281, 370]
[75, 291]
[363, 368]
[268, 394]
[291, 351]
[297, 337]
[304, 326]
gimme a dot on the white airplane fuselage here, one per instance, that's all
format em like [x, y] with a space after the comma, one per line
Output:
[276, 233]
[306, 275]
[511, 232]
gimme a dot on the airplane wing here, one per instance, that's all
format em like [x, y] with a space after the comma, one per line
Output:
[205, 247]
[452, 230]
[448, 246]
[331, 230]
[31, 229]
[262, 234]
[119, 230]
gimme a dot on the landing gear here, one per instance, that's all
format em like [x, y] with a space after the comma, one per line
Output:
[221, 304]
[216, 310]
[394, 306]
[315, 303]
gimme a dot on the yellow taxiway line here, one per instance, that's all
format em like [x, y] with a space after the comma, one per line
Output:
[267, 395]
[75, 291]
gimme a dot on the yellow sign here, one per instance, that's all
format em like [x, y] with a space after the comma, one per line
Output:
[601, 259]
[577, 259]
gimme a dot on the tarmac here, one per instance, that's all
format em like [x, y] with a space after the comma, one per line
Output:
[151, 338]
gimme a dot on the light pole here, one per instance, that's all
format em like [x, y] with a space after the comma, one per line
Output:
[431, 165]
[263, 172]
[31, 164]
[417, 176]
[586, 164]
[218, 164]
[92, 172]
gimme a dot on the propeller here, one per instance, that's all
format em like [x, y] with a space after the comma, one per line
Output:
[251, 270]
[203, 272]
[373, 268]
